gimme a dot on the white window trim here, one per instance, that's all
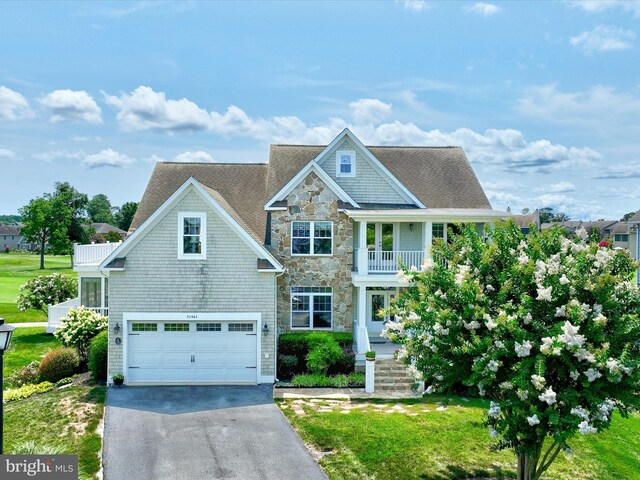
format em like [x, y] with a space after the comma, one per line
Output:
[351, 153]
[203, 236]
[309, 294]
[311, 238]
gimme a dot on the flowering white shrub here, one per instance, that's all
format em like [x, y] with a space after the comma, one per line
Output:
[546, 327]
[78, 329]
[40, 292]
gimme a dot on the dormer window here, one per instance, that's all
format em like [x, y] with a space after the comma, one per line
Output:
[345, 163]
[192, 235]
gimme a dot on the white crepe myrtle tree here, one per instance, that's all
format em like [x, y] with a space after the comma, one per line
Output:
[545, 327]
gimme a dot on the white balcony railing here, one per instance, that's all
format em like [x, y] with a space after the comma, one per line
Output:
[94, 253]
[57, 312]
[389, 261]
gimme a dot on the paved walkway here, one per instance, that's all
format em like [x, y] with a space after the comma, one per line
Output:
[337, 393]
[28, 324]
[201, 432]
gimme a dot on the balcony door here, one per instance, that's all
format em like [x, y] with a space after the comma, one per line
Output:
[381, 245]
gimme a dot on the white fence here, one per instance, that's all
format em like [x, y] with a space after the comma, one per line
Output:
[61, 310]
[93, 253]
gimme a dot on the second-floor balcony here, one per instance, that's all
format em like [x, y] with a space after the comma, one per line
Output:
[386, 261]
[92, 254]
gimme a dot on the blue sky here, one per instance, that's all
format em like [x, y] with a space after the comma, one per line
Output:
[544, 97]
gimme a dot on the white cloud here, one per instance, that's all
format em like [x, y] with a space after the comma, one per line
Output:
[603, 38]
[6, 154]
[502, 197]
[560, 187]
[506, 147]
[415, 5]
[482, 8]
[145, 109]
[597, 6]
[194, 157]
[620, 170]
[56, 154]
[13, 106]
[369, 110]
[107, 158]
[70, 105]
[502, 185]
[598, 107]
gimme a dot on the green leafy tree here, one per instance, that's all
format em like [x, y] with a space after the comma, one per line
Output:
[545, 326]
[100, 209]
[44, 290]
[627, 216]
[125, 215]
[46, 220]
[78, 227]
[548, 215]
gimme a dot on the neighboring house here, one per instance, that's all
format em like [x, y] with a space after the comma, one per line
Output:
[634, 239]
[10, 237]
[603, 227]
[526, 221]
[221, 258]
[102, 229]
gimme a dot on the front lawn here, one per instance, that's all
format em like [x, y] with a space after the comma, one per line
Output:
[27, 344]
[66, 418]
[15, 270]
[420, 439]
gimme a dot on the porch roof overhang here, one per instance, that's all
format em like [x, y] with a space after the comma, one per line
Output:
[429, 214]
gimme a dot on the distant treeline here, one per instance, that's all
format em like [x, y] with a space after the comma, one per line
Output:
[9, 219]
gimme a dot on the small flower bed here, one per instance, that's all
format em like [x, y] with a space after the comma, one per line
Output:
[26, 391]
[319, 380]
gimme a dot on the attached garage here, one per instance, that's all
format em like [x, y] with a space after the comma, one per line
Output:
[192, 348]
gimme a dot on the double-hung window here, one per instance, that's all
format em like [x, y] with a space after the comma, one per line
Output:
[311, 238]
[311, 307]
[437, 231]
[345, 163]
[192, 235]
[621, 237]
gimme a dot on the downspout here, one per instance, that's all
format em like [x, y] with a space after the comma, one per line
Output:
[275, 323]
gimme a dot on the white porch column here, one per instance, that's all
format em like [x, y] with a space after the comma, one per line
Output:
[427, 238]
[362, 249]
[362, 307]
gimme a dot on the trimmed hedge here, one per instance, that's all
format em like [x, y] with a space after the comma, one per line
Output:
[296, 344]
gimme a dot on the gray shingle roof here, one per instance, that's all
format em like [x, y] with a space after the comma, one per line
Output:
[102, 228]
[9, 230]
[440, 177]
[636, 217]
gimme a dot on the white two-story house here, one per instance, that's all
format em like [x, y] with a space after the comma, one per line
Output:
[221, 258]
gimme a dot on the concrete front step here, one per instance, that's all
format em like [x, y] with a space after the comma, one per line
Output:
[392, 388]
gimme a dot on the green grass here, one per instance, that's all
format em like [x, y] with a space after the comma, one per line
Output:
[15, 270]
[27, 344]
[450, 444]
[65, 418]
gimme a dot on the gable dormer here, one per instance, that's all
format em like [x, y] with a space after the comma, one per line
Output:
[352, 166]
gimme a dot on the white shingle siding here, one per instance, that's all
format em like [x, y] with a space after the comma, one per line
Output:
[367, 186]
[154, 280]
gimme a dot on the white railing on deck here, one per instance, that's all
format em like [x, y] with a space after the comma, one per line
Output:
[57, 312]
[389, 261]
[93, 253]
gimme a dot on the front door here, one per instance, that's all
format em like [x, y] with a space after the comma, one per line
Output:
[377, 300]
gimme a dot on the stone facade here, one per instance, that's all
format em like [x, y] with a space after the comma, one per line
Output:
[312, 200]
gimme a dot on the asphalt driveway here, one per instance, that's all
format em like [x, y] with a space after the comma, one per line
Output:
[201, 432]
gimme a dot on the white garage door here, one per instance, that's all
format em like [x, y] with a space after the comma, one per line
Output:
[191, 352]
